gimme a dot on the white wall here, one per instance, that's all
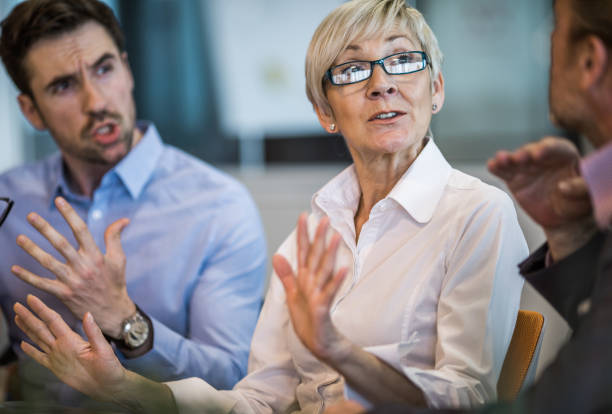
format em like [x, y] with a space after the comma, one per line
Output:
[273, 36]
[496, 59]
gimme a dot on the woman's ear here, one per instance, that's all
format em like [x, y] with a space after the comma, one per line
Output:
[326, 120]
[437, 93]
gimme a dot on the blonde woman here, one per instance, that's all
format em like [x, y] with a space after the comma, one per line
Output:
[411, 296]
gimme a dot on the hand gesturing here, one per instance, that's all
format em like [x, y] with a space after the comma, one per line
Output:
[90, 367]
[89, 281]
[311, 291]
[543, 177]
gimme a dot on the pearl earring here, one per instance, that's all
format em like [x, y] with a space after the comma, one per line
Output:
[332, 127]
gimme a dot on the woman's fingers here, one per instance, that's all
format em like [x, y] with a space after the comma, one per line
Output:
[49, 329]
[32, 334]
[317, 247]
[303, 241]
[33, 327]
[35, 354]
[285, 274]
[94, 334]
[326, 268]
[52, 319]
[316, 260]
[332, 287]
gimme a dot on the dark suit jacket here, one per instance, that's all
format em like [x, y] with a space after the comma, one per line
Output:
[579, 380]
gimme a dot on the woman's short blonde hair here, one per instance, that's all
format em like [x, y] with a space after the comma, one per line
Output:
[357, 20]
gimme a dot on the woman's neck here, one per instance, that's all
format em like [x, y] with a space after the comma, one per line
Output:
[377, 175]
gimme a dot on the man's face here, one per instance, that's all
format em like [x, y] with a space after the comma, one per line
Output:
[564, 96]
[82, 88]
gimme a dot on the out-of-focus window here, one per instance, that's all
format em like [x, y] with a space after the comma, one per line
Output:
[496, 72]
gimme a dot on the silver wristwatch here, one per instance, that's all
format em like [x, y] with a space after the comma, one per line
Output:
[134, 330]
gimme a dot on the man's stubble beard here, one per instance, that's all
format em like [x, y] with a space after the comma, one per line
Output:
[562, 113]
[94, 155]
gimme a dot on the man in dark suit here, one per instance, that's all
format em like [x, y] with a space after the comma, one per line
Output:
[573, 270]
[571, 199]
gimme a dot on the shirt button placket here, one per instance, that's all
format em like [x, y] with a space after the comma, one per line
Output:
[95, 219]
[94, 222]
[96, 214]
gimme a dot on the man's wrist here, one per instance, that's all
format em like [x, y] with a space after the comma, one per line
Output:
[136, 338]
[115, 327]
[565, 240]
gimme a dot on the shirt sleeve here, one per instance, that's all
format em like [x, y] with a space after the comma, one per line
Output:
[222, 308]
[578, 380]
[477, 308]
[270, 385]
[195, 396]
[558, 283]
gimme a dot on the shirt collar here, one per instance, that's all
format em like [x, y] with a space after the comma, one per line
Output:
[422, 185]
[60, 186]
[597, 171]
[418, 191]
[134, 170]
[138, 166]
[340, 192]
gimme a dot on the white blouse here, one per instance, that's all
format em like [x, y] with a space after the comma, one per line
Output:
[433, 289]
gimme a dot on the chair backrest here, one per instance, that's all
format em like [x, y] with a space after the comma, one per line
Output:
[522, 356]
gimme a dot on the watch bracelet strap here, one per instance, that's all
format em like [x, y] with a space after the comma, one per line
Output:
[130, 353]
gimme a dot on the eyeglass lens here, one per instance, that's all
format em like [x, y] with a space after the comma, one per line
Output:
[397, 64]
[5, 207]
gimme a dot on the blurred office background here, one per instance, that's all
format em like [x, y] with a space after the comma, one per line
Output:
[223, 79]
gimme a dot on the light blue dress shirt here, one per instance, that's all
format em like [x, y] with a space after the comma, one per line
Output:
[195, 250]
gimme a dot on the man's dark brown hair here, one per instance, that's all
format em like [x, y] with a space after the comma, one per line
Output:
[592, 17]
[35, 20]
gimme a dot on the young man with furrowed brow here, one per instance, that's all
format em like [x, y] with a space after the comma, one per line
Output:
[165, 251]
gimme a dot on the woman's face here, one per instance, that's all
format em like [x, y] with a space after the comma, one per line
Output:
[385, 114]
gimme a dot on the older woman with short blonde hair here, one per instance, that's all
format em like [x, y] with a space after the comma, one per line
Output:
[355, 20]
[407, 289]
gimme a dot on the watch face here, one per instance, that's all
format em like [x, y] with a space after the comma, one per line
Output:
[135, 331]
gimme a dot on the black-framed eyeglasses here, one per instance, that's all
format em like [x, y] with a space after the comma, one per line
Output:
[396, 64]
[5, 207]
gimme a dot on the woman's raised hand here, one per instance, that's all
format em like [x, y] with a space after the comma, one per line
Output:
[90, 367]
[311, 291]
